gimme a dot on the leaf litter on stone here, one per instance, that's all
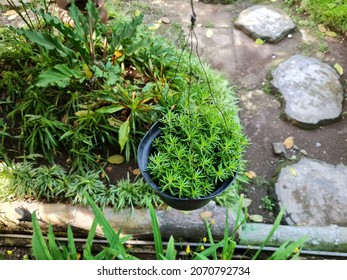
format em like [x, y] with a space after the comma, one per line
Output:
[293, 171]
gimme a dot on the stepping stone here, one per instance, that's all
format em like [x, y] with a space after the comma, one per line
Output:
[311, 90]
[313, 193]
[265, 22]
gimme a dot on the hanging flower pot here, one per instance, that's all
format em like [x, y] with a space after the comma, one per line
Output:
[188, 159]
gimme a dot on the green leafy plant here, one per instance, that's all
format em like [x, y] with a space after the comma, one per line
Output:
[196, 152]
[267, 203]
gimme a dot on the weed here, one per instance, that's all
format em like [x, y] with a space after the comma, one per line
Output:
[267, 203]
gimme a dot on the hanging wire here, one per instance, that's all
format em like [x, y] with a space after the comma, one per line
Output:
[192, 32]
[190, 38]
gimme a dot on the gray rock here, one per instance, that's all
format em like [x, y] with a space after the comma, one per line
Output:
[313, 193]
[279, 149]
[311, 90]
[265, 22]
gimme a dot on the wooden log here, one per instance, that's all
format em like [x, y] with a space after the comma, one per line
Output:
[15, 217]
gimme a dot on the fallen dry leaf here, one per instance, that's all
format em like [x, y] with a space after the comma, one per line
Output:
[289, 142]
[321, 28]
[331, 33]
[136, 171]
[250, 174]
[256, 218]
[206, 215]
[115, 159]
[339, 69]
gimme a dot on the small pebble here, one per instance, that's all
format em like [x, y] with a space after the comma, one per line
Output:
[318, 145]
[290, 36]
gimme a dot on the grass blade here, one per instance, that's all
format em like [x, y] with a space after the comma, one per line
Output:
[39, 245]
[158, 243]
[71, 244]
[53, 247]
[272, 231]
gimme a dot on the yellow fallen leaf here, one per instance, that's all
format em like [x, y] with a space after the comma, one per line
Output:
[115, 159]
[250, 174]
[331, 33]
[339, 69]
[293, 171]
[321, 28]
[206, 215]
[289, 142]
[136, 171]
[209, 33]
[259, 41]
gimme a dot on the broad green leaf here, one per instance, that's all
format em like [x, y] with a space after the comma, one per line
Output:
[46, 40]
[110, 109]
[123, 134]
[339, 69]
[60, 75]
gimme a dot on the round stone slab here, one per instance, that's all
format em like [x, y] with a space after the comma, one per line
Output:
[265, 22]
[311, 91]
[313, 193]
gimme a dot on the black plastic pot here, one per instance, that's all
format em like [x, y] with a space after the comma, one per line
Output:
[144, 151]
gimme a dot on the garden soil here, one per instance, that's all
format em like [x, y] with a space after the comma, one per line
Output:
[247, 65]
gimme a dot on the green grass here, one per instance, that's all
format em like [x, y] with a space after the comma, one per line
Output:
[332, 13]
